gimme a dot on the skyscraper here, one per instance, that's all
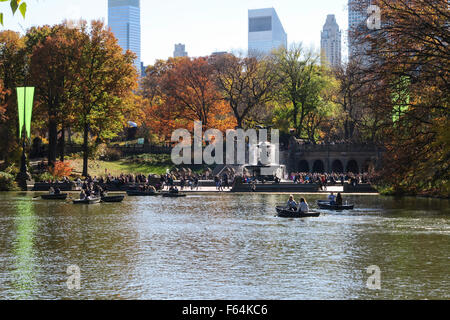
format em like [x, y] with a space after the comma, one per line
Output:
[124, 19]
[331, 42]
[357, 18]
[180, 51]
[265, 31]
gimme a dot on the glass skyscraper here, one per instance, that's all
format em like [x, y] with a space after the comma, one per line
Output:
[124, 19]
[357, 18]
[265, 31]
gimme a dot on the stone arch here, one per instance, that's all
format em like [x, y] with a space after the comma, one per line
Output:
[318, 166]
[303, 166]
[337, 166]
[352, 166]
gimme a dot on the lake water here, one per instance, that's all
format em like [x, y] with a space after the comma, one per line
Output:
[223, 246]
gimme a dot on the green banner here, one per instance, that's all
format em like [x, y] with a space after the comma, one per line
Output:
[25, 98]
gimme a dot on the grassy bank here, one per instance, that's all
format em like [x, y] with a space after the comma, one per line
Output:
[397, 192]
[145, 164]
[98, 167]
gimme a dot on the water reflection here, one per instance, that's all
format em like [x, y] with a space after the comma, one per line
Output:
[24, 275]
[223, 247]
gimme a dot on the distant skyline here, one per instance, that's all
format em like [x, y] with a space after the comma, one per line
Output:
[265, 31]
[124, 19]
[204, 26]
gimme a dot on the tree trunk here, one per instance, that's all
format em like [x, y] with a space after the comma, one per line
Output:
[62, 144]
[85, 149]
[295, 115]
[52, 142]
[239, 121]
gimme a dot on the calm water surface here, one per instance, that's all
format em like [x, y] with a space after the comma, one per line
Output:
[223, 246]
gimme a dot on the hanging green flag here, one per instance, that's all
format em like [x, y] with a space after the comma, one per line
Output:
[25, 98]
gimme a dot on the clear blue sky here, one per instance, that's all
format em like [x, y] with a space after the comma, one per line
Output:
[204, 26]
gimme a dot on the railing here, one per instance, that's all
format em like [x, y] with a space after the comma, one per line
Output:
[142, 148]
[335, 148]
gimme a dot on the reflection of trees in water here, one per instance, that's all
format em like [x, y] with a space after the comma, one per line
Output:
[100, 239]
[24, 274]
[407, 243]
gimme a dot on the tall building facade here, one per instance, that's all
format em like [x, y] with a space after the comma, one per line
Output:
[331, 40]
[357, 18]
[180, 51]
[124, 19]
[265, 31]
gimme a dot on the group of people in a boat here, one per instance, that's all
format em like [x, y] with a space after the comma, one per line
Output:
[54, 191]
[302, 206]
[92, 191]
[335, 200]
[174, 190]
[147, 188]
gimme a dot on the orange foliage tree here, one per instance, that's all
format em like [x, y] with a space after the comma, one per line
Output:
[180, 91]
[3, 93]
[61, 169]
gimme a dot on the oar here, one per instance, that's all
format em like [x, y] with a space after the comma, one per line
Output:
[36, 197]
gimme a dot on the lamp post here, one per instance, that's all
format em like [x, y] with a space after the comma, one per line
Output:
[25, 98]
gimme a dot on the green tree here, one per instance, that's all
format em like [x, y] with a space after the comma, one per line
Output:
[303, 82]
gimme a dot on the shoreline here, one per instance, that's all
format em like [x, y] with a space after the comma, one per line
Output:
[202, 192]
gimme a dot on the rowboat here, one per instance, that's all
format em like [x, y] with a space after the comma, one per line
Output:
[173, 195]
[113, 199]
[285, 213]
[61, 196]
[87, 201]
[328, 206]
[137, 193]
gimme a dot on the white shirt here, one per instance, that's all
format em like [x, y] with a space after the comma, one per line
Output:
[304, 207]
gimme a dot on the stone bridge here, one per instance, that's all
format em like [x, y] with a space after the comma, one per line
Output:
[338, 158]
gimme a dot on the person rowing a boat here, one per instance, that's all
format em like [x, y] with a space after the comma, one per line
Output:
[51, 191]
[291, 204]
[339, 199]
[304, 207]
[82, 195]
[173, 190]
[332, 199]
[57, 191]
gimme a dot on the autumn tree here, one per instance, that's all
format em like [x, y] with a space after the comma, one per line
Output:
[410, 63]
[106, 77]
[55, 53]
[12, 72]
[245, 83]
[180, 91]
[189, 86]
[158, 117]
[3, 93]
